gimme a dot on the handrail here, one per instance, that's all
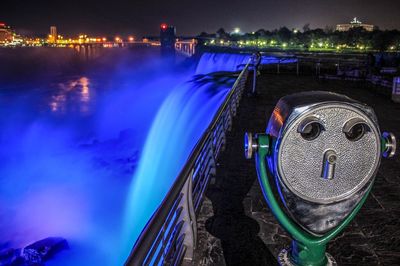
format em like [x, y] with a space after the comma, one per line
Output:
[149, 240]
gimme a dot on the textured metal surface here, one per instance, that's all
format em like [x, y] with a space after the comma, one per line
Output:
[300, 162]
[320, 218]
[284, 258]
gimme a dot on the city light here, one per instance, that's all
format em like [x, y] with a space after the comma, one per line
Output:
[259, 40]
[236, 30]
[164, 26]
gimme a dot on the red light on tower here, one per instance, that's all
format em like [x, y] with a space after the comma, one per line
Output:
[2, 24]
[164, 26]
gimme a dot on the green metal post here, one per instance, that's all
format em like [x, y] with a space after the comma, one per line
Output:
[306, 249]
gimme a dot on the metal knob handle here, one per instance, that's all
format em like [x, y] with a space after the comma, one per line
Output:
[390, 145]
[250, 145]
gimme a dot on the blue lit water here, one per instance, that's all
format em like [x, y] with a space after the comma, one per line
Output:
[220, 62]
[70, 141]
[88, 152]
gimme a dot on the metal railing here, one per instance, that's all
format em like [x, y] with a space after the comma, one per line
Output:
[170, 236]
[314, 66]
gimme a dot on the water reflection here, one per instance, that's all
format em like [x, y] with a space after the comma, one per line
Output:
[72, 96]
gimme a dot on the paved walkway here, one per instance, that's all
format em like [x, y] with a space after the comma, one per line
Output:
[237, 228]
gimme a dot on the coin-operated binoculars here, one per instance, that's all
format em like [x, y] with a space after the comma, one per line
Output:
[323, 151]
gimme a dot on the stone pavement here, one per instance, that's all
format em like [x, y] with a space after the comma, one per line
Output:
[235, 224]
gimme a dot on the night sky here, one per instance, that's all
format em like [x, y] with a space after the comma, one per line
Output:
[143, 17]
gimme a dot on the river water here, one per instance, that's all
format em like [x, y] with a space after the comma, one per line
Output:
[89, 145]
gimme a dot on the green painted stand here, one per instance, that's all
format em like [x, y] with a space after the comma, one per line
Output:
[306, 249]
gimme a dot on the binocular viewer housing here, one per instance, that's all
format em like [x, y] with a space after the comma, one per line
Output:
[324, 154]
[316, 164]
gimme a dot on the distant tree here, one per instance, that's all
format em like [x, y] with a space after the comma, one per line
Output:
[355, 38]
[203, 34]
[261, 32]
[329, 29]
[306, 27]
[317, 34]
[221, 33]
[382, 40]
[284, 34]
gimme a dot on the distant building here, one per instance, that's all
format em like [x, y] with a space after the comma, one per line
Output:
[354, 24]
[53, 34]
[6, 34]
[167, 39]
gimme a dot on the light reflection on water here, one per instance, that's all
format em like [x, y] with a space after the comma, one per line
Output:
[72, 95]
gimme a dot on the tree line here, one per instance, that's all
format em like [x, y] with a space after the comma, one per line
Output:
[328, 38]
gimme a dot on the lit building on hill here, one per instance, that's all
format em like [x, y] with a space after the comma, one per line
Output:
[355, 23]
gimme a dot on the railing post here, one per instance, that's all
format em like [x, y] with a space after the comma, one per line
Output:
[254, 79]
[318, 68]
[163, 242]
[278, 67]
[396, 90]
[190, 225]
[297, 67]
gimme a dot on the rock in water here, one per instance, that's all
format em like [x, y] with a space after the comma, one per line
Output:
[44, 249]
[13, 257]
[31, 257]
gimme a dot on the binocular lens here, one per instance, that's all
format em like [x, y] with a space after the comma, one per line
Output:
[356, 132]
[311, 131]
